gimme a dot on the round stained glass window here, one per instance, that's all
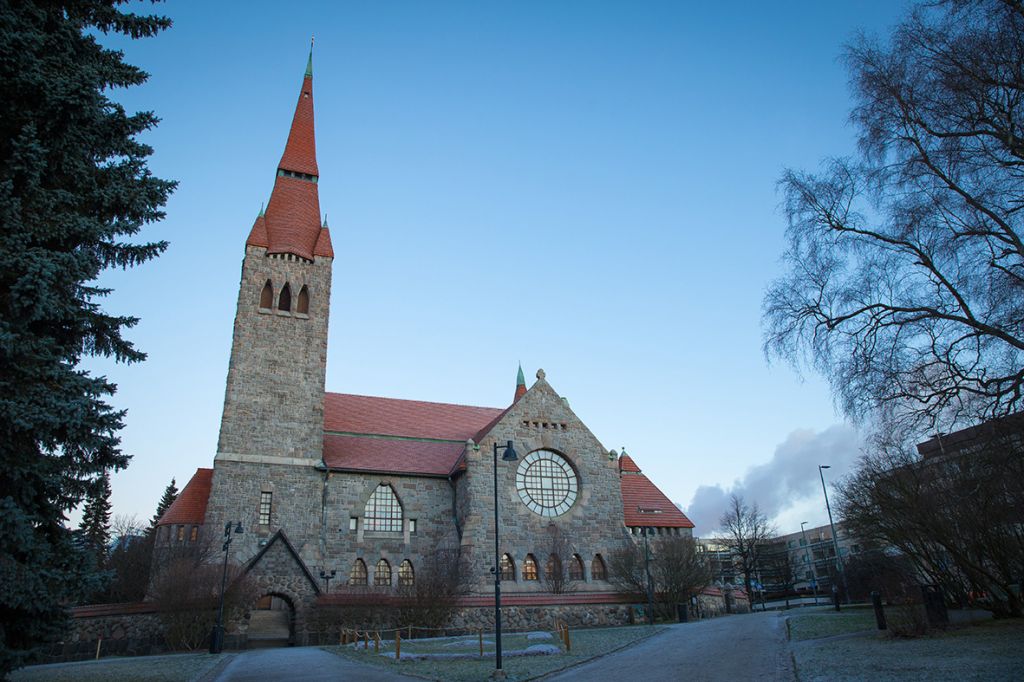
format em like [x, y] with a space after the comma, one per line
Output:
[546, 483]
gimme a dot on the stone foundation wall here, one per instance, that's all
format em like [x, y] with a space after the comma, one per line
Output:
[118, 634]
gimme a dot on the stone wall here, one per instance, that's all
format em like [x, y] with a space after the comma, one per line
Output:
[273, 403]
[592, 526]
[119, 629]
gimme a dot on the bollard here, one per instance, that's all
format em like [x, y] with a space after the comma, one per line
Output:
[876, 601]
[481, 634]
[398, 645]
[366, 640]
[410, 632]
[568, 644]
[99, 643]
[835, 596]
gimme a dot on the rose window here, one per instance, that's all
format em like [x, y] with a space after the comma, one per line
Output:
[546, 483]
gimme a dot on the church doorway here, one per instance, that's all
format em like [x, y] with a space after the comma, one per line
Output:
[271, 622]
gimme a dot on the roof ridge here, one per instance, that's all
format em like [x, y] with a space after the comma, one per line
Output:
[414, 400]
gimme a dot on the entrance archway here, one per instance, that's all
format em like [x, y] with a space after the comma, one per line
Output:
[271, 622]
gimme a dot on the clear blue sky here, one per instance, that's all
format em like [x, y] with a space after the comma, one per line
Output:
[584, 187]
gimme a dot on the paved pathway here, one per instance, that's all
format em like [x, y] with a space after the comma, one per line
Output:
[733, 648]
[302, 664]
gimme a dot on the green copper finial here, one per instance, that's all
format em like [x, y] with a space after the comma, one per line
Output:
[520, 379]
[261, 209]
[325, 220]
[309, 64]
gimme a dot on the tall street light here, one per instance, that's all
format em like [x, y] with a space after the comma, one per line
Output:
[645, 531]
[814, 574]
[217, 636]
[835, 538]
[508, 456]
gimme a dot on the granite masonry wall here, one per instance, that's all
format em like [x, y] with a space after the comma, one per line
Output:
[592, 526]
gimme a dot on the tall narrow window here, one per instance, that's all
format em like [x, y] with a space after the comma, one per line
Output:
[358, 575]
[406, 577]
[302, 305]
[553, 569]
[529, 568]
[267, 296]
[508, 568]
[194, 535]
[181, 533]
[576, 568]
[383, 511]
[285, 301]
[265, 499]
[382, 574]
[597, 571]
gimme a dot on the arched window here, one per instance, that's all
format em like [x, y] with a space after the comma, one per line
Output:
[358, 574]
[508, 568]
[267, 296]
[382, 574]
[597, 571]
[383, 511]
[576, 567]
[529, 568]
[406, 577]
[285, 301]
[553, 568]
[302, 305]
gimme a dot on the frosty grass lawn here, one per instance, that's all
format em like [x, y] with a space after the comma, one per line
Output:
[171, 668]
[987, 651]
[585, 644]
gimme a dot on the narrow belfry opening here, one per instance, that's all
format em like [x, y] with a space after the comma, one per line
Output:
[285, 301]
[267, 296]
[302, 305]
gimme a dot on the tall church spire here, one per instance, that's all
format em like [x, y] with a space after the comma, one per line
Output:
[520, 384]
[292, 220]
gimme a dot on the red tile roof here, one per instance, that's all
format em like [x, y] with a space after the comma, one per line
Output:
[400, 456]
[292, 220]
[300, 150]
[293, 217]
[626, 463]
[190, 507]
[362, 414]
[643, 504]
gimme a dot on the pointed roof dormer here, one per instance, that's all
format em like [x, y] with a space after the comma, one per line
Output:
[520, 385]
[292, 220]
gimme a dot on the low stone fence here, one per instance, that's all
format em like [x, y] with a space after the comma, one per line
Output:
[132, 629]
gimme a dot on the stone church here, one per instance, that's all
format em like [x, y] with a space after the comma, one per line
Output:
[373, 487]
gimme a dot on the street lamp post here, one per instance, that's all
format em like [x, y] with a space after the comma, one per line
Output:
[814, 574]
[647, 570]
[835, 539]
[509, 455]
[217, 636]
[327, 576]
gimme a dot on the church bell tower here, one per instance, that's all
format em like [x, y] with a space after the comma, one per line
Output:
[273, 405]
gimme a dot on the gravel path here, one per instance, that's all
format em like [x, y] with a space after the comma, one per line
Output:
[734, 648]
[302, 664]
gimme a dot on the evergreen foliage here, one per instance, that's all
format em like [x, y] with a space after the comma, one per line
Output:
[168, 498]
[95, 526]
[74, 189]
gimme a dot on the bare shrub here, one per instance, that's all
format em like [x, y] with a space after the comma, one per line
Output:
[432, 599]
[907, 618]
[187, 598]
[556, 567]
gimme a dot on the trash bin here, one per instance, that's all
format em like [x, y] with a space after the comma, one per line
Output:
[681, 612]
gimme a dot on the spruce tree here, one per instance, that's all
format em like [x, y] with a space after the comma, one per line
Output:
[74, 191]
[168, 498]
[95, 526]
